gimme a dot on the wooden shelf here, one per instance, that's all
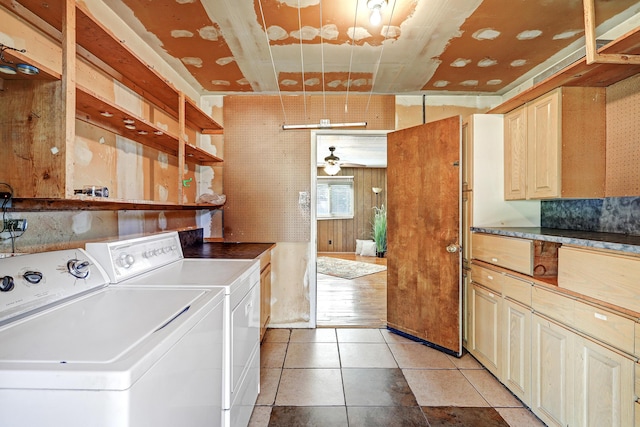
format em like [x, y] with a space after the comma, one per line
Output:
[199, 120]
[200, 156]
[135, 74]
[91, 108]
[20, 58]
[84, 203]
[581, 74]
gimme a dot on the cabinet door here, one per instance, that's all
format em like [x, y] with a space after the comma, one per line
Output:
[515, 154]
[516, 349]
[485, 323]
[265, 299]
[543, 147]
[466, 307]
[604, 384]
[551, 372]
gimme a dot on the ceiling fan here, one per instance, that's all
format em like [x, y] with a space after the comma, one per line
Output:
[332, 163]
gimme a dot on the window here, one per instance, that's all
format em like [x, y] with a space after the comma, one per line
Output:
[335, 197]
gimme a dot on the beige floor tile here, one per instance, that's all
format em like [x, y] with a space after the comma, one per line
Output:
[269, 381]
[366, 355]
[359, 335]
[391, 337]
[260, 416]
[519, 417]
[272, 354]
[312, 355]
[313, 335]
[491, 389]
[447, 387]
[310, 387]
[277, 335]
[420, 356]
[467, 361]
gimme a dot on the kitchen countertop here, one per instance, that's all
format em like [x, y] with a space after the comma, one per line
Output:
[611, 241]
[226, 250]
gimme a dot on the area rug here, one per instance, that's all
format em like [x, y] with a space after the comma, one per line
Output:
[347, 269]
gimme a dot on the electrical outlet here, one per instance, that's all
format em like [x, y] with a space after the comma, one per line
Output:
[15, 225]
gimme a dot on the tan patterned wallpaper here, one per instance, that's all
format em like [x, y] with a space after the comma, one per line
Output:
[265, 167]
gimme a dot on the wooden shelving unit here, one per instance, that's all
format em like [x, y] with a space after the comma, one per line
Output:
[19, 58]
[103, 50]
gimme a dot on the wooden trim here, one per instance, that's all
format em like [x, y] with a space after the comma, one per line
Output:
[69, 89]
[590, 40]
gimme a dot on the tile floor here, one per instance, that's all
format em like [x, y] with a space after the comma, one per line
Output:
[371, 377]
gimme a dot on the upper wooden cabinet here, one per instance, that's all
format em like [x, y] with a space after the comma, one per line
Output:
[555, 146]
[77, 124]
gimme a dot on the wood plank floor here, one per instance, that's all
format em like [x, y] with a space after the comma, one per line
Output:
[361, 302]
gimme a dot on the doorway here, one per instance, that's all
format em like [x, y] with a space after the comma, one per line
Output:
[354, 293]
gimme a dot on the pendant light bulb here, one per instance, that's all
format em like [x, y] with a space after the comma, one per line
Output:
[375, 17]
[376, 7]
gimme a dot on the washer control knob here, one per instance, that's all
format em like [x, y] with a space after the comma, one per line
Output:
[33, 277]
[126, 260]
[6, 284]
[77, 268]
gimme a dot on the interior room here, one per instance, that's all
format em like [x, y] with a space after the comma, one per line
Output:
[319, 212]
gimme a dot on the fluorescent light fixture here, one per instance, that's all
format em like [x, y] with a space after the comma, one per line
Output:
[325, 124]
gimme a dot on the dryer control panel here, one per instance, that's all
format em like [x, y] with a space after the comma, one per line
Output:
[124, 259]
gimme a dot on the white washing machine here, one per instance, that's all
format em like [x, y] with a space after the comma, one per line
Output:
[78, 353]
[128, 264]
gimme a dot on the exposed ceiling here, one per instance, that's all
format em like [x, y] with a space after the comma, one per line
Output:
[443, 46]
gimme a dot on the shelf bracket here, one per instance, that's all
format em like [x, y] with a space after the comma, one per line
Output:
[590, 42]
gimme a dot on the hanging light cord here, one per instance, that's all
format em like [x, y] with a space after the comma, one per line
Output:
[304, 95]
[353, 42]
[377, 67]
[324, 96]
[273, 64]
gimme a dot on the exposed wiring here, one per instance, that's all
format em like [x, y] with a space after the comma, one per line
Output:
[12, 235]
[353, 43]
[304, 95]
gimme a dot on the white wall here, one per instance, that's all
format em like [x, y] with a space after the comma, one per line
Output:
[489, 207]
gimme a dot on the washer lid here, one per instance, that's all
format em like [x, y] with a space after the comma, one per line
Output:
[198, 273]
[103, 341]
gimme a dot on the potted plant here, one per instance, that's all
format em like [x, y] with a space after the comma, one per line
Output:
[380, 230]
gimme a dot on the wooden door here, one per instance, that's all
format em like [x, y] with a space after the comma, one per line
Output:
[423, 220]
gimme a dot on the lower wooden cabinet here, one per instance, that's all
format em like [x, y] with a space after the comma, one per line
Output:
[516, 349]
[577, 382]
[484, 335]
[604, 386]
[265, 293]
[551, 372]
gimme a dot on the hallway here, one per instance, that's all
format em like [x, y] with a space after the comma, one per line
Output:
[370, 377]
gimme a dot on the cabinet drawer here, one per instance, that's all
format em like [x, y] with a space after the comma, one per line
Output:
[554, 305]
[488, 278]
[514, 254]
[517, 290]
[607, 327]
[608, 277]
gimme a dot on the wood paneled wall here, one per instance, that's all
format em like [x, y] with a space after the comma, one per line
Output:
[340, 235]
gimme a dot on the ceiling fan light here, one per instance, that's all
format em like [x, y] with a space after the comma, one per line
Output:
[332, 169]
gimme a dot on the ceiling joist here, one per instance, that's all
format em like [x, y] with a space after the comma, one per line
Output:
[590, 41]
